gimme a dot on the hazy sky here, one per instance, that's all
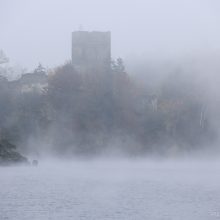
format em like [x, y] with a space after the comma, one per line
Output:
[34, 31]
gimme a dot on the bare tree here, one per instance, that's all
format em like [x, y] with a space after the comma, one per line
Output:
[3, 58]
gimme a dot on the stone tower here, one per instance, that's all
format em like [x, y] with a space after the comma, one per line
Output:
[91, 51]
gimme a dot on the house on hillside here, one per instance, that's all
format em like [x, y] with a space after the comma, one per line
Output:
[36, 81]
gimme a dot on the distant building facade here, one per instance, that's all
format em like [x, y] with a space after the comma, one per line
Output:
[91, 50]
[36, 81]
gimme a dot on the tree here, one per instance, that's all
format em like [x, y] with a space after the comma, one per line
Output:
[3, 58]
[40, 69]
[118, 65]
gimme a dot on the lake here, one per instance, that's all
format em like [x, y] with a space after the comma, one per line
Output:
[111, 189]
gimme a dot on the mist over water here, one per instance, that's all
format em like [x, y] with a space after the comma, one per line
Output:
[111, 189]
[126, 129]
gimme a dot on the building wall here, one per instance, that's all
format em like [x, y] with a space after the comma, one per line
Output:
[91, 50]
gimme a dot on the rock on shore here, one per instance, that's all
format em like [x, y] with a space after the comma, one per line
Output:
[9, 156]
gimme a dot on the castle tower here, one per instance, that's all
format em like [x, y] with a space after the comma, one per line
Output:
[91, 51]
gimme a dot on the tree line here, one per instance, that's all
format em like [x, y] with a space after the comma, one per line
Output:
[105, 112]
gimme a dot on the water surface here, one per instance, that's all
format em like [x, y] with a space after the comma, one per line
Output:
[129, 190]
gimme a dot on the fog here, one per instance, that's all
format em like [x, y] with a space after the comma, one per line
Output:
[111, 189]
[39, 31]
[109, 109]
[162, 96]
